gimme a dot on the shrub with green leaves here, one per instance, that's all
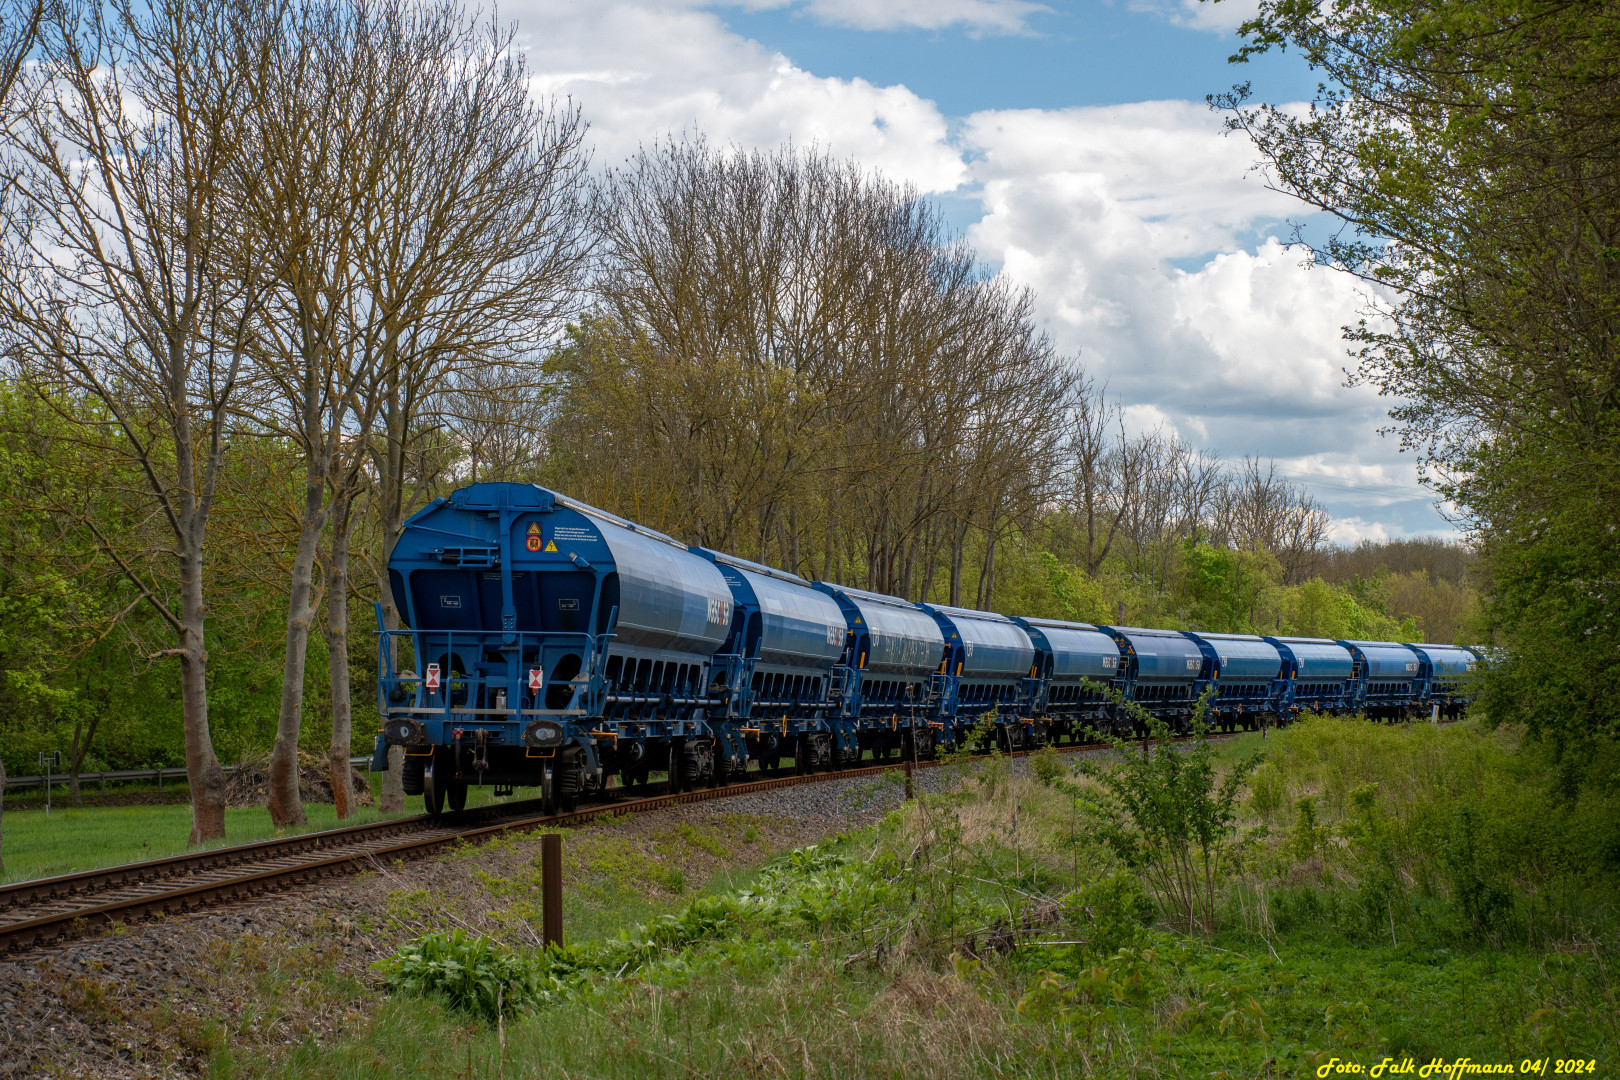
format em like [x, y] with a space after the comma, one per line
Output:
[1167, 814]
[1047, 765]
[468, 972]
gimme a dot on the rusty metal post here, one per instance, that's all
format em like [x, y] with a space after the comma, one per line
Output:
[551, 914]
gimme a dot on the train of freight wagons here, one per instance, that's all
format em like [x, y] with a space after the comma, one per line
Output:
[553, 645]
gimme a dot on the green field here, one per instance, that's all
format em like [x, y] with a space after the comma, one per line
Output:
[73, 839]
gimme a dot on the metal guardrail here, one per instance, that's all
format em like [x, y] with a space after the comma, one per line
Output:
[177, 772]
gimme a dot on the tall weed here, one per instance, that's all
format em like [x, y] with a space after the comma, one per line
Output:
[1170, 815]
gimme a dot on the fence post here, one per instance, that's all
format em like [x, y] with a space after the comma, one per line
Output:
[551, 912]
[909, 794]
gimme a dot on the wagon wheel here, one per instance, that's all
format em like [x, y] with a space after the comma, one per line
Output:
[432, 786]
[568, 780]
[455, 793]
[548, 790]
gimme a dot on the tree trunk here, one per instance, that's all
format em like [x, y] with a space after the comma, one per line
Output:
[81, 750]
[391, 800]
[2, 816]
[203, 771]
[958, 542]
[793, 540]
[336, 632]
[286, 808]
[988, 575]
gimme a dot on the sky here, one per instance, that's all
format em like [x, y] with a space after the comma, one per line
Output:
[1072, 144]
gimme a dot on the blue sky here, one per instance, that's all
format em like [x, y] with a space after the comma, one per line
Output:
[1072, 144]
[1095, 53]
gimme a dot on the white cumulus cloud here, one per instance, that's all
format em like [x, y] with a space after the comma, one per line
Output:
[1139, 227]
[1219, 16]
[645, 70]
[1153, 247]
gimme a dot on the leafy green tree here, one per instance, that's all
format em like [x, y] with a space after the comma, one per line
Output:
[1225, 586]
[1472, 151]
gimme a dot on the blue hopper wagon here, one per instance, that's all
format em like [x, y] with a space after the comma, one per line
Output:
[1249, 676]
[777, 669]
[1077, 671]
[1321, 676]
[1386, 676]
[1165, 671]
[984, 675]
[550, 643]
[887, 677]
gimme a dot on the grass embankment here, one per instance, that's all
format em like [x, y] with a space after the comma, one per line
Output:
[72, 839]
[1374, 892]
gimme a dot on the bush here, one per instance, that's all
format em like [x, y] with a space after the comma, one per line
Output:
[1165, 812]
[1047, 765]
[1410, 780]
[1476, 892]
[1455, 831]
[471, 973]
[1113, 910]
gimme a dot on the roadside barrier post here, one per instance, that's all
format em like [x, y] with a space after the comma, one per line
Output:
[49, 760]
[551, 889]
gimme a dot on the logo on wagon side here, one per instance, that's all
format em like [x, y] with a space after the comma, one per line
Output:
[719, 611]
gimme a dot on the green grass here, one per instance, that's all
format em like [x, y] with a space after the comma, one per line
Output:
[764, 998]
[1227, 1008]
[72, 840]
[1355, 941]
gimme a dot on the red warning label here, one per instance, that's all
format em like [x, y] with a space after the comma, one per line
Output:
[534, 541]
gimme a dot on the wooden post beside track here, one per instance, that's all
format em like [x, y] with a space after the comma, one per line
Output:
[909, 793]
[551, 889]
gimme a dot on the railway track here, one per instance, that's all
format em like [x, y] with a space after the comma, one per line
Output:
[46, 910]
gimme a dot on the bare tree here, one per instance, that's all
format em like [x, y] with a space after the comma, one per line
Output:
[19, 26]
[20, 21]
[478, 259]
[1102, 470]
[795, 359]
[428, 216]
[124, 283]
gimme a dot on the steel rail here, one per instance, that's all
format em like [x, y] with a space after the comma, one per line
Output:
[330, 853]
